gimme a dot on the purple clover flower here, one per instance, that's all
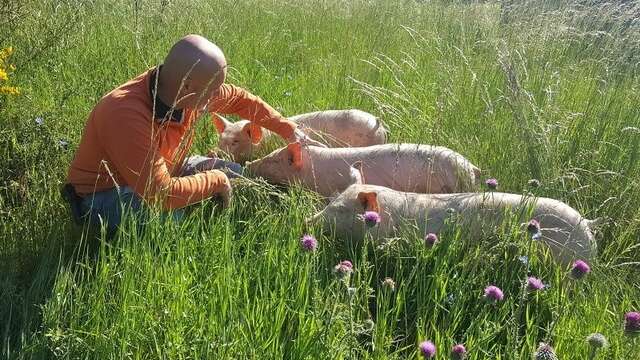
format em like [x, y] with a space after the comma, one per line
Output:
[492, 183]
[533, 227]
[458, 352]
[545, 352]
[388, 283]
[427, 349]
[430, 240]
[534, 284]
[493, 294]
[371, 218]
[309, 243]
[632, 322]
[580, 269]
[344, 268]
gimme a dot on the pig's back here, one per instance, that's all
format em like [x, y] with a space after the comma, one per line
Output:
[342, 128]
[408, 167]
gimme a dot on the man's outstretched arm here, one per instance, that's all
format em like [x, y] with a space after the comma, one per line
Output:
[232, 99]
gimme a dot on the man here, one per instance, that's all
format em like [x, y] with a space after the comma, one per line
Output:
[136, 139]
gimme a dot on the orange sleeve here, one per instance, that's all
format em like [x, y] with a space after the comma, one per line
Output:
[235, 100]
[135, 158]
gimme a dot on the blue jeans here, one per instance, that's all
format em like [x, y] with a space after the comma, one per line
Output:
[108, 207]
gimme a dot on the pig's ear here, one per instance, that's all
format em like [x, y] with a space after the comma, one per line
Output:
[220, 123]
[254, 132]
[357, 176]
[369, 200]
[295, 154]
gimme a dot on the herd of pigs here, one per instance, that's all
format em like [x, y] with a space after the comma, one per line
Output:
[419, 185]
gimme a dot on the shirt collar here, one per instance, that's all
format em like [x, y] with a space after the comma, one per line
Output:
[162, 111]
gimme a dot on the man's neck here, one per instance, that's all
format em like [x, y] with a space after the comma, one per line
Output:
[166, 96]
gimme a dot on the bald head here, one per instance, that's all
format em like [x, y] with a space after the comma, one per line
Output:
[192, 72]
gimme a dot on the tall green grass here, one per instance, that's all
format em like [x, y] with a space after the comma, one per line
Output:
[537, 89]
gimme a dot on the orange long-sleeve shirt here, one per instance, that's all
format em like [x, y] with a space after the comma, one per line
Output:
[123, 144]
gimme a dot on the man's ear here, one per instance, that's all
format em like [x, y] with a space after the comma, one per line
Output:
[254, 132]
[295, 154]
[369, 200]
[220, 122]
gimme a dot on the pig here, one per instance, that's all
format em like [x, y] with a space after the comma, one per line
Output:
[404, 167]
[567, 234]
[335, 128]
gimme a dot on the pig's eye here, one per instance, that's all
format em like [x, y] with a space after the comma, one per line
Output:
[290, 160]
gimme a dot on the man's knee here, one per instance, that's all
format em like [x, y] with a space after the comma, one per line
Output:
[108, 208]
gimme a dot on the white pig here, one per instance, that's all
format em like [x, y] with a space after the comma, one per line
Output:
[404, 167]
[563, 229]
[335, 128]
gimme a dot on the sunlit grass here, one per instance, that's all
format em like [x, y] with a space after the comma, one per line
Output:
[546, 91]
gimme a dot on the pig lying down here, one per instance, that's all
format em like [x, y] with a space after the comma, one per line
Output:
[563, 229]
[335, 128]
[404, 167]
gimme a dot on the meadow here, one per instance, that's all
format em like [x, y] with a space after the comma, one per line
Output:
[545, 90]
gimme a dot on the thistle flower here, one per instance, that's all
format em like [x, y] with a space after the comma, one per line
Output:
[458, 352]
[632, 322]
[493, 294]
[428, 349]
[492, 183]
[545, 352]
[597, 341]
[534, 183]
[533, 227]
[431, 239]
[371, 218]
[309, 243]
[388, 283]
[579, 270]
[534, 284]
[344, 268]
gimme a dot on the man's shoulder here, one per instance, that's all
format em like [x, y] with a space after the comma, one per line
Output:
[129, 100]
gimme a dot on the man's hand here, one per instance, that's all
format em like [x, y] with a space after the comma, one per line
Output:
[302, 138]
[225, 193]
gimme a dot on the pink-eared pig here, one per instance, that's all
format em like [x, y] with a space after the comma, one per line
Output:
[562, 229]
[335, 128]
[404, 167]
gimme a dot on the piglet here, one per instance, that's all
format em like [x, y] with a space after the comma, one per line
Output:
[335, 128]
[404, 167]
[562, 228]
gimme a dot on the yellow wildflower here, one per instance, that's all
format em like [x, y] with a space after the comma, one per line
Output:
[6, 52]
[3, 75]
[9, 90]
